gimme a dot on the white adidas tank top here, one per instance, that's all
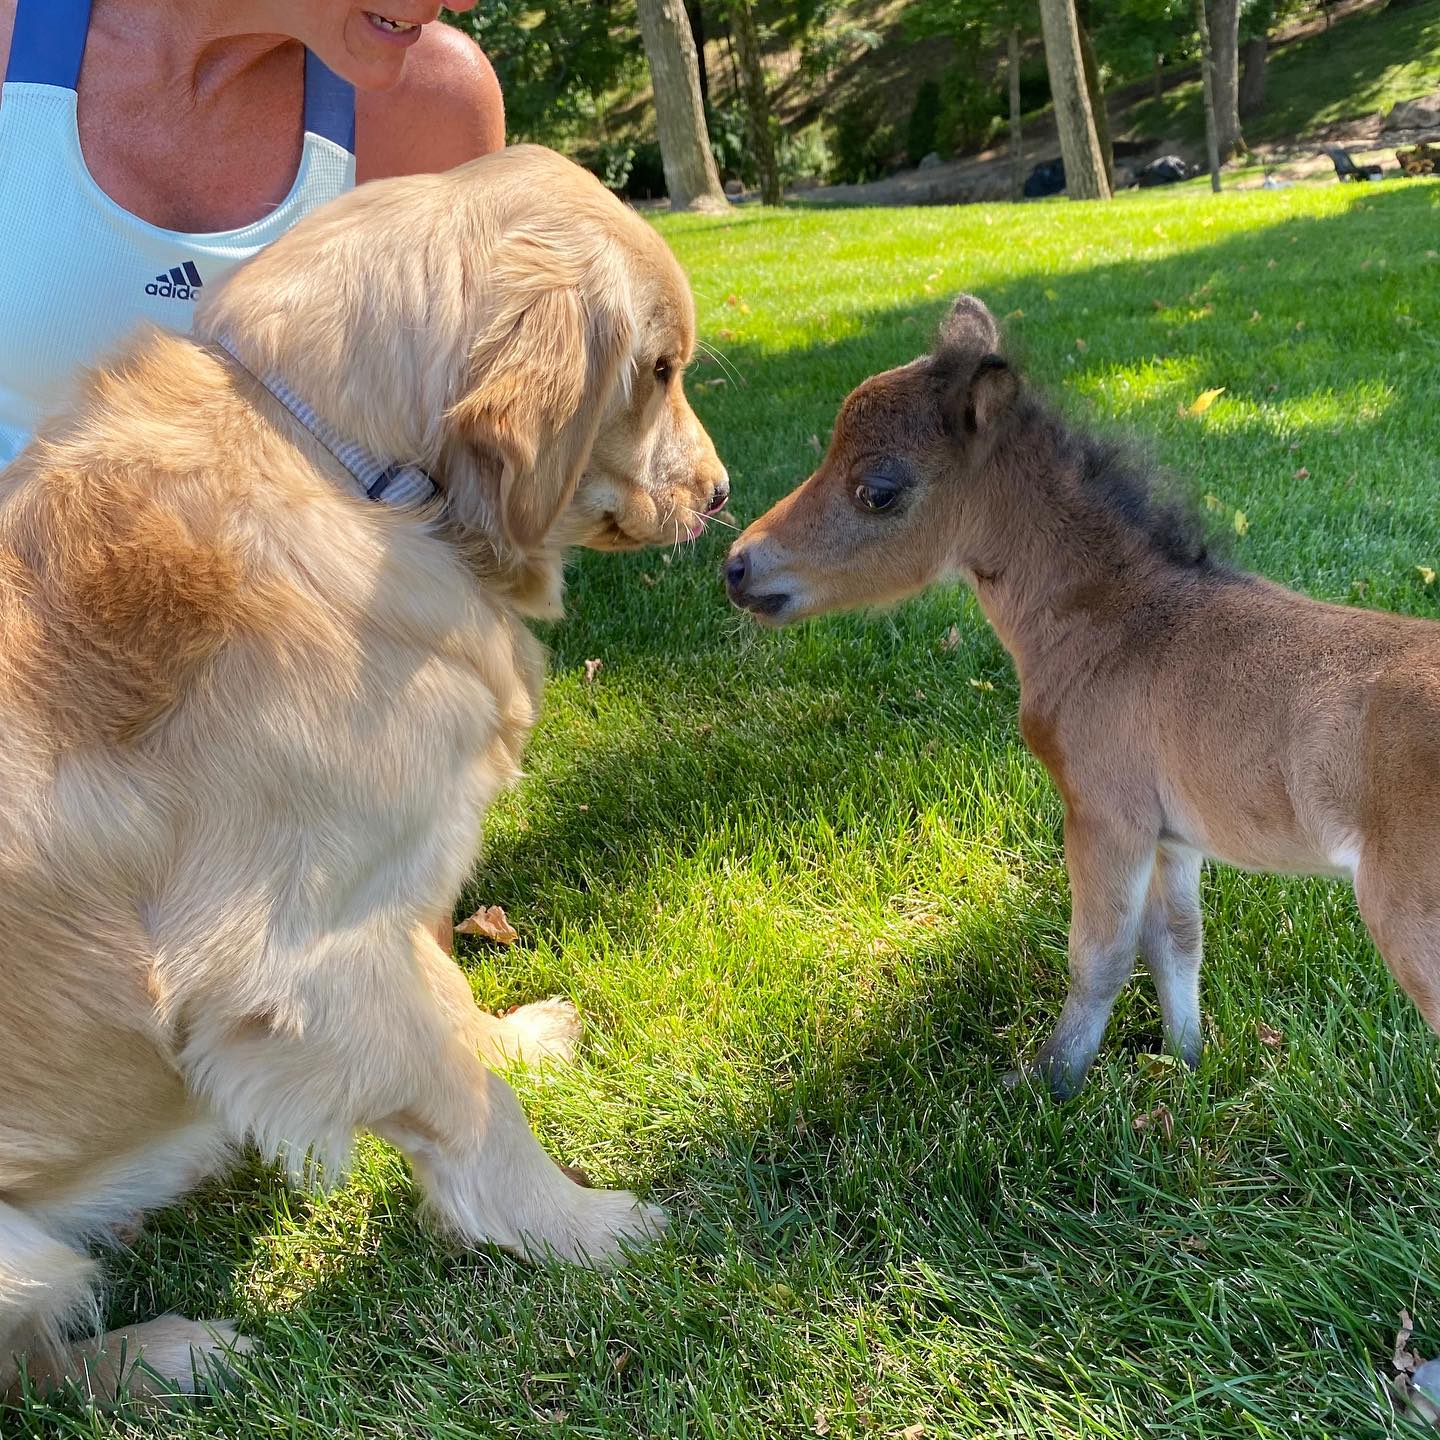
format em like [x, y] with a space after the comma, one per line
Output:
[77, 271]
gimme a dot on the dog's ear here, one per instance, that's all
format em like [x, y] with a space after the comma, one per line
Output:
[539, 379]
[968, 326]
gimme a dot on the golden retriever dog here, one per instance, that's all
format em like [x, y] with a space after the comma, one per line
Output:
[252, 720]
[1184, 709]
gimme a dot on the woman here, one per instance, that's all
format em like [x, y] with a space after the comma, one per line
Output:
[148, 146]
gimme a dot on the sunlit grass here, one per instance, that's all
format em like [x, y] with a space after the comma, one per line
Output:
[807, 888]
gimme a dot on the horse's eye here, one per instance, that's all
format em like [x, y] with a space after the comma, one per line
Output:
[663, 371]
[875, 496]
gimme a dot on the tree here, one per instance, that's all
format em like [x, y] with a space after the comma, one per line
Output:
[691, 179]
[1254, 47]
[1017, 143]
[1096, 94]
[1224, 27]
[1085, 177]
[1207, 88]
[695, 11]
[757, 99]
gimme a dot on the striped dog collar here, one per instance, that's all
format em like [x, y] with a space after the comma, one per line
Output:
[388, 484]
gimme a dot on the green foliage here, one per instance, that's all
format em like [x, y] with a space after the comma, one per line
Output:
[972, 106]
[924, 122]
[863, 142]
[555, 60]
[632, 168]
[803, 154]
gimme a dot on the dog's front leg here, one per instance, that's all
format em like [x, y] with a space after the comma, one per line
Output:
[484, 1173]
[1110, 867]
[487, 1179]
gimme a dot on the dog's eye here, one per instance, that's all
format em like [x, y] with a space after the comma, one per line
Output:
[875, 495]
[663, 371]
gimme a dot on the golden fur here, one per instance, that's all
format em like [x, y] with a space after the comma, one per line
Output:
[252, 721]
[1183, 709]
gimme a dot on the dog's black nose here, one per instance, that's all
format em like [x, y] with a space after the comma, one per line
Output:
[736, 568]
[718, 498]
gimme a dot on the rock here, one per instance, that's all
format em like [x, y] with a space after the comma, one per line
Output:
[930, 162]
[1413, 119]
[734, 188]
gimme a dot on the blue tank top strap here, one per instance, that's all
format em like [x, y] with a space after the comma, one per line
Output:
[48, 42]
[329, 103]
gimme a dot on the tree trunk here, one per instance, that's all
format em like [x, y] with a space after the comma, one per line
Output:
[690, 175]
[1252, 74]
[1017, 143]
[1085, 177]
[1157, 87]
[1207, 77]
[1224, 18]
[1097, 101]
[695, 13]
[757, 101]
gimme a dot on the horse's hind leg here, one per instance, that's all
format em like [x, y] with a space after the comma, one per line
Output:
[1171, 944]
[1400, 903]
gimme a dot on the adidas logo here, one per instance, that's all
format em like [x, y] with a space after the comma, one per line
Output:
[181, 283]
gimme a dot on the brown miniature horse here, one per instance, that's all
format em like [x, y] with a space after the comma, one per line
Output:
[1183, 709]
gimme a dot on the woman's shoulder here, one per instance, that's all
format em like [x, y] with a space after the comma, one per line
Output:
[7, 25]
[445, 109]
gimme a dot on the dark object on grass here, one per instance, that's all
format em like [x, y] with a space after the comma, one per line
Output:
[1347, 169]
[1165, 170]
[1047, 178]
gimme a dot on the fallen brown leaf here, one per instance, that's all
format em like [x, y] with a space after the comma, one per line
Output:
[1159, 1118]
[913, 1432]
[592, 669]
[1270, 1036]
[491, 922]
[951, 640]
[1405, 1360]
[822, 1423]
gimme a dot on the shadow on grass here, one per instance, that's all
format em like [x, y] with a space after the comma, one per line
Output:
[894, 1168]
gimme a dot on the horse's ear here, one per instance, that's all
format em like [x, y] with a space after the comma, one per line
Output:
[978, 393]
[968, 326]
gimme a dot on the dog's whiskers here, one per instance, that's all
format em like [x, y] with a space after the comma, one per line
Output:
[727, 366]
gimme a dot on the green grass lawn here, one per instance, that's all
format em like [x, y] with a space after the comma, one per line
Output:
[808, 890]
[1360, 66]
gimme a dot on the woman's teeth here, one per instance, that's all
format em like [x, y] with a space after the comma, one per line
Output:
[399, 26]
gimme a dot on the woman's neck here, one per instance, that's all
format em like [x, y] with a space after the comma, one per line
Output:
[197, 46]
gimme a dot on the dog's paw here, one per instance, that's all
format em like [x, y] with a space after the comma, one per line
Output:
[543, 1034]
[161, 1360]
[601, 1230]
